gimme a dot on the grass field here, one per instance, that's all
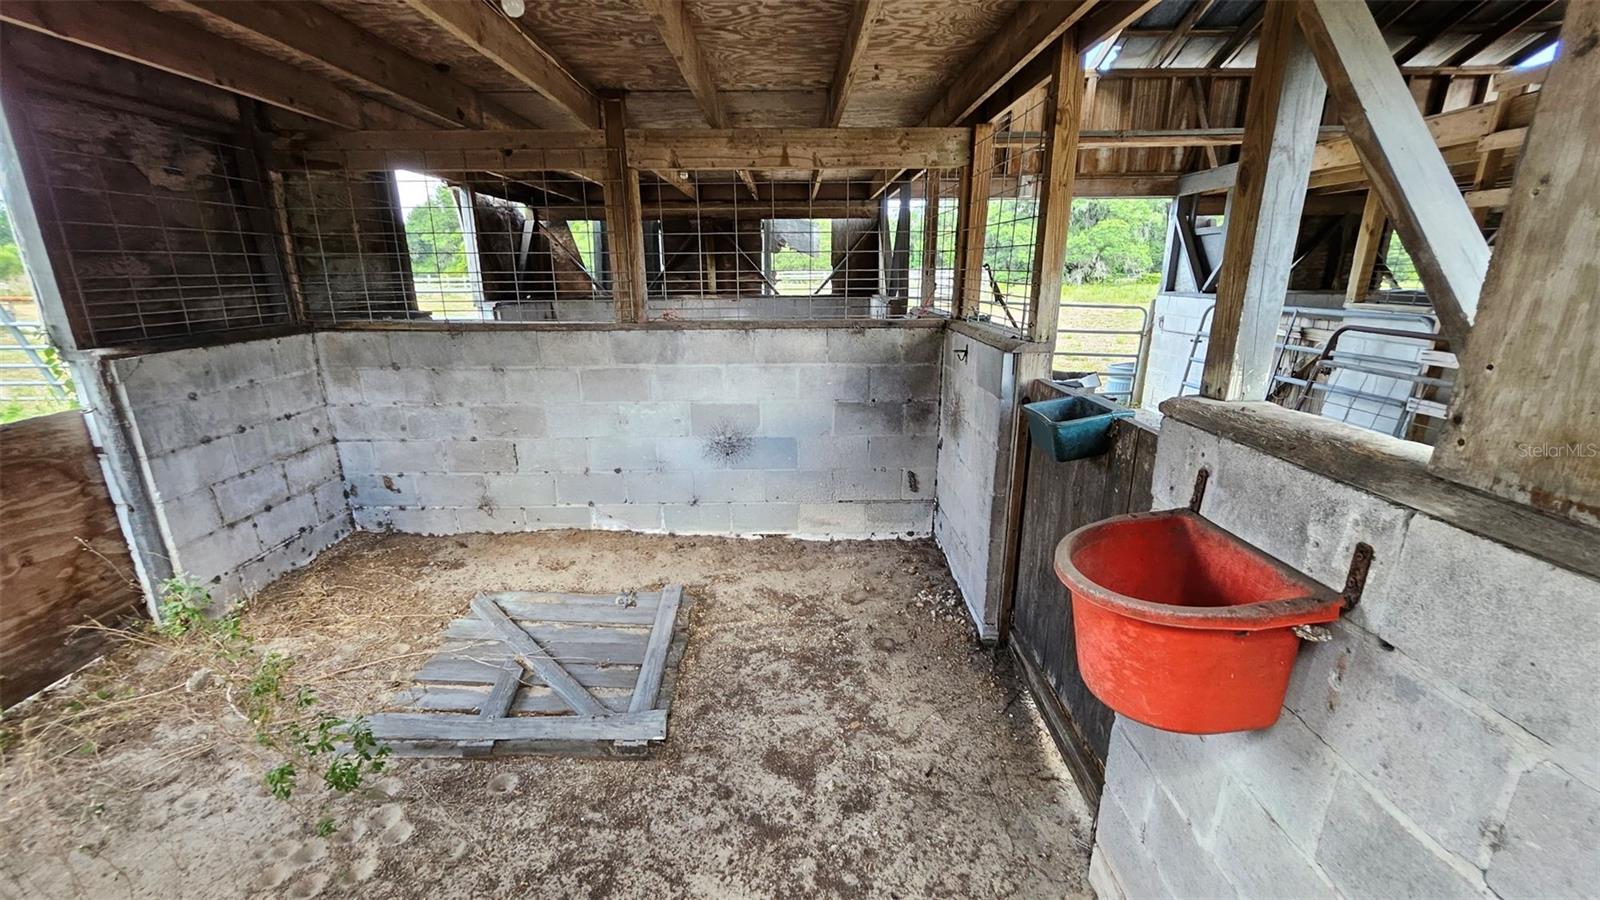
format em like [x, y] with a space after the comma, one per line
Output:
[1127, 305]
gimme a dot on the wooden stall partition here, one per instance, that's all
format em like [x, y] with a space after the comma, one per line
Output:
[63, 559]
[1057, 498]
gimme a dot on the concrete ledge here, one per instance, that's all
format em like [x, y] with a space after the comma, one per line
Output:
[1394, 470]
[1000, 340]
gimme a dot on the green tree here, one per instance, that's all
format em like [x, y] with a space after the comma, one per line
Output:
[10, 256]
[433, 234]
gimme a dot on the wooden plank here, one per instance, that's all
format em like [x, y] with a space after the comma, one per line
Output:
[930, 237]
[1490, 198]
[976, 181]
[136, 32]
[1509, 139]
[1110, 17]
[1031, 29]
[498, 701]
[1263, 218]
[530, 599]
[644, 726]
[1369, 242]
[1174, 137]
[850, 56]
[501, 141]
[798, 149]
[676, 28]
[1401, 158]
[1063, 111]
[655, 655]
[1242, 33]
[1526, 409]
[63, 560]
[527, 651]
[530, 700]
[309, 30]
[592, 652]
[624, 218]
[1517, 79]
[493, 36]
[480, 664]
[1173, 42]
[601, 611]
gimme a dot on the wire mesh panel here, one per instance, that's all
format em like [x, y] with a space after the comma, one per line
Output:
[433, 236]
[837, 244]
[1013, 158]
[162, 226]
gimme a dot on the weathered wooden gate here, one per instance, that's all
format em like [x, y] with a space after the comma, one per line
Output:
[1057, 498]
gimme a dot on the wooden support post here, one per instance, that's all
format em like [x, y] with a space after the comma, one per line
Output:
[1401, 159]
[930, 236]
[1063, 111]
[624, 220]
[1369, 243]
[1263, 219]
[974, 219]
[1525, 419]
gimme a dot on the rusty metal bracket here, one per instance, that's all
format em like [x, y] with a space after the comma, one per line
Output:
[1200, 479]
[1355, 581]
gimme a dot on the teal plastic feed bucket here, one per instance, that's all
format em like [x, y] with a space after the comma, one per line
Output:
[1072, 427]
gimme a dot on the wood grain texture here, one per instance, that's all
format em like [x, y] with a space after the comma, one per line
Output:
[862, 20]
[772, 44]
[798, 148]
[1531, 375]
[1063, 113]
[536, 658]
[644, 726]
[1019, 39]
[52, 497]
[654, 665]
[677, 30]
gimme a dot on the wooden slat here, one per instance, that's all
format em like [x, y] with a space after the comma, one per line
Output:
[136, 32]
[624, 219]
[527, 651]
[1032, 28]
[1526, 409]
[1503, 140]
[598, 613]
[438, 139]
[498, 701]
[1063, 111]
[493, 36]
[307, 29]
[862, 15]
[1263, 218]
[1172, 44]
[798, 148]
[1110, 17]
[644, 726]
[1369, 241]
[1489, 198]
[1401, 158]
[1174, 137]
[930, 237]
[975, 181]
[530, 700]
[481, 665]
[655, 655]
[566, 651]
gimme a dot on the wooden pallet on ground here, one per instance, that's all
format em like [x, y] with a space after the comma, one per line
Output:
[533, 672]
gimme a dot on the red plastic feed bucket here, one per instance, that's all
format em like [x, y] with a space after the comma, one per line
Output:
[1181, 625]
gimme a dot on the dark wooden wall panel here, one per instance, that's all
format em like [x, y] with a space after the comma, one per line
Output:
[1058, 498]
[63, 560]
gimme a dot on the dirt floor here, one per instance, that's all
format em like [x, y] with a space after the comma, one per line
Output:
[836, 731]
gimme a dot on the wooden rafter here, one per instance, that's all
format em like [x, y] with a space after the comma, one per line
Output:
[1063, 113]
[798, 149]
[1449, 18]
[1019, 39]
[136, 32]
[1241, 36]
[309, 30]
[855, 46]
[1399, 155]
[1172, 44]
[500, 41]
[1522, 15]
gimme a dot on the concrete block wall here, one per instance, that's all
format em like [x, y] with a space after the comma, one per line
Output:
[1441, 745]
[235, 447]
[1175, 318]
[826, 432]
[978, 383]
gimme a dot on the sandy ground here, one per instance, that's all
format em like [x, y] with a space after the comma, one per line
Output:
[836, 732]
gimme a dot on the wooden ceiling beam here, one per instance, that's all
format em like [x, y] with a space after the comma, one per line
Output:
[1172, 44]
[677, 33]
[503, 43]
[855, 47]
[1110, 17]
[1454, 15]
[1115, 74]
[311, 31]
[798, 149]
[1522, 15]
[143, 35]
[1032, 28]
[1241, 36]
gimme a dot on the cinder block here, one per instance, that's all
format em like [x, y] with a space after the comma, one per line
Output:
[372, 518]
[655, 419]
[381, 489]
[540, 517]
[649, 348]
[406, 387]
[1119, 847]
[490, 520]
[922, 418]
[581, 419]
[355, 457]
[164, 428]
[628, 517]
[462, 385]
[593, 488]
[902, 384]
[217, 553]
[831, 452]
[576, 349]
[281, 523]
[868, 345]
[1257, 856]
[519, 490]
[723, 418]
[488, 455]
[300, 431]
[767, 453]
[902, 451]
[440, 423]
[689, 454]
[622, 454]
[1368, 853]
[761, 383]
[255, 447]
[342, 385]
[835, 383]
[720, 345]
[1181, 862]
[798, 487]
[797, 419]
[369, 423]
[190, 517]
[899, 517]
[917, 484]
[788, 345]
[291, 393]
[537, 386]
[552, 455]
[306, 470]
[660, 487]
[1289, 771]
[866, 484]
[450, 489]
[611, 385]
[1186, 765]
[868, 418]
[507, 421]
[689, 383]
[1547, 845]
[353, 349]
[428, 350]
[408, 456]
[696, 518]
[1129, 781]
[823, 519]
[422, 520]
[920, 345]
[765, 518]
[1438, 761]
[728, 485]
[192, 468]
[330, 500]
